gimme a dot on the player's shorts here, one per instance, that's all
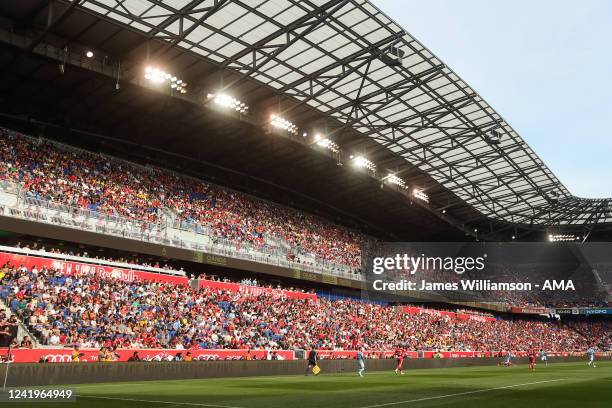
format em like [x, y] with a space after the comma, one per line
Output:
[531, 360]
[361, 365]
[544, 358]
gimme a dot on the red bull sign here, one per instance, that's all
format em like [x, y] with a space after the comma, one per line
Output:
[255, 290]
[71, 268]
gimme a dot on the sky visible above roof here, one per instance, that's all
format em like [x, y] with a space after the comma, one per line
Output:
[545, 66]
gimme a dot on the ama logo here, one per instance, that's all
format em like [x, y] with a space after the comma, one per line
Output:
[558, 285]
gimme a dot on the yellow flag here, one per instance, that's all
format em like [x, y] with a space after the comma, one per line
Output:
[316, 370]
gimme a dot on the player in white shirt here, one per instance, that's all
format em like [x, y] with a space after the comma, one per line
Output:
[360, 362]
[591, 357]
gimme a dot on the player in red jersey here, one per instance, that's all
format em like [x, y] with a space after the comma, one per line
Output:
[532, 359]
[399, 359]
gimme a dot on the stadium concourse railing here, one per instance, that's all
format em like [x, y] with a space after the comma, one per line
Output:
[87, 260]
[15, 202]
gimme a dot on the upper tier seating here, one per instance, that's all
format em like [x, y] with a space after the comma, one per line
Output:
[48, 171]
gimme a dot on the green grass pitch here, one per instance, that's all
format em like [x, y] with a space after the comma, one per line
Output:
[558, 385]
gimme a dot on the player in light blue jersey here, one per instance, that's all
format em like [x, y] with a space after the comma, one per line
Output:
[360, 362]
[591, 356]
[508, 359]
[543, 357]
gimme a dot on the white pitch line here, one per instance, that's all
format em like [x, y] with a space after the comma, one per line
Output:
[191, 404]
[461, 393]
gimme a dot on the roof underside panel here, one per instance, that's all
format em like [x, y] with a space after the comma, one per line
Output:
[351, 62]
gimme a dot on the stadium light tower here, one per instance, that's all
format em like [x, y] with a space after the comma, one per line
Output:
[227, 101]
[282, 123]
[563, 237]
[419, 194]
[393, 179]
[158, 77]
[326, 143]
[361, 161]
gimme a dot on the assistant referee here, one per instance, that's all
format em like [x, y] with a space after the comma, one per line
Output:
[312, 360]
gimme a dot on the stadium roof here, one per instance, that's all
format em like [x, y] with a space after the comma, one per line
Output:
[350, 61]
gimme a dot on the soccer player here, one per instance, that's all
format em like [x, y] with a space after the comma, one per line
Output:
[508, 360]
[591, 357]
[543, 357]
[399, 359]
[360, 362]
[532, 359]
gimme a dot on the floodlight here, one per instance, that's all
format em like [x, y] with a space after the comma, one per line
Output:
[361, 161]
[284, 124]
[562, 237]
[158, 76]
[419, 194]
[393, 179]
[228, 101]
[326, 143]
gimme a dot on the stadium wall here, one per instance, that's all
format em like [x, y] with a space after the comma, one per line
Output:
[20, 375]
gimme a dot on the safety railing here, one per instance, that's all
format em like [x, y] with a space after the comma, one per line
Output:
[181, 234]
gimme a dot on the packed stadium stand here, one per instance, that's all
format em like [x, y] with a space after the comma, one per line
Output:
[109, 187]
[90, 311]
[50, 175]
[93, 312]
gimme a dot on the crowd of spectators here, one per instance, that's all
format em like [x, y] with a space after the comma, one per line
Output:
[114, 187]
[101, 184]
[139, 262]
[130, 260]
[598, 332]
[8, 329]
[142, 314]
[91, 312]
